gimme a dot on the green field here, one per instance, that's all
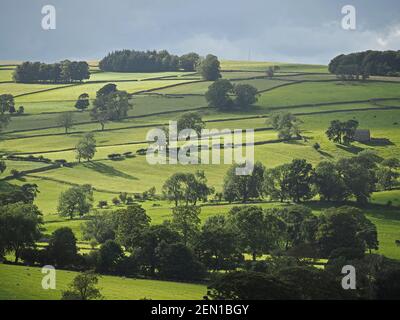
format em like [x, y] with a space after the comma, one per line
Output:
[24, 283]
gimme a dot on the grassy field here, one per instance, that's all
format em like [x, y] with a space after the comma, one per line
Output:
[323, 92]
[310, 93]
[72, 92]
[24, 283]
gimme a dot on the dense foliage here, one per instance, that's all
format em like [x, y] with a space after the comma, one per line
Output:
[147, 61]
[375, 63]
[220, 92]
[64, 71]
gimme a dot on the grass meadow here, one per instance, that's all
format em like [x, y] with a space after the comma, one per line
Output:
[24, 283]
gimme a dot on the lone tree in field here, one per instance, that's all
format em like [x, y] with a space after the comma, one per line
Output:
[75, 200]
[342, 132]
[191, 120]
[65, 120]
[270, 72]
[19, 227]
[110, 105]
[6, 103]
[209, 68]
[86, 147]
[83, 102]
[83, 287]
[3, 166]
[286, 124]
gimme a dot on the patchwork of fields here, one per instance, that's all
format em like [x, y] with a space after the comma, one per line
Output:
[305, 90]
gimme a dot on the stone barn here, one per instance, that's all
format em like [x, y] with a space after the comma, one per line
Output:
[362, 135]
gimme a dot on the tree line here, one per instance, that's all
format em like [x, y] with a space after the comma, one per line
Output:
[182, 248]
[356, 177]
[148, 61]
[363, 64]
[61, 72]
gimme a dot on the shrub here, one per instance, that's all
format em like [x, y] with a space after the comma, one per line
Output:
[15, 172]
[116, 201]
[115, 156]
[141, 152]
[102, 204]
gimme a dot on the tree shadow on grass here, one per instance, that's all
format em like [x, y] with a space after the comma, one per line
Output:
[108, 170]
[350, 148]
[325, 154]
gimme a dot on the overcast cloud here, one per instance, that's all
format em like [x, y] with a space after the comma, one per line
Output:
[306, 31]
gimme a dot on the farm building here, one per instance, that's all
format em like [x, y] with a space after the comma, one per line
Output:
[362, 135]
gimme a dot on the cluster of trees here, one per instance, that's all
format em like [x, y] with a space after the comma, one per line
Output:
[297, 181]
[285, 278]
[187, 188]
[110, 105]
[153, 61]
[219, 95]
[363, 64]
[342, 131]
[20, 219]
[182, 248]
[25, 193]
[62, 72]
[148, 61]
[20, 225]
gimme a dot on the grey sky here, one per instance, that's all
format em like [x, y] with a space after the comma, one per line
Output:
[286, 30]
